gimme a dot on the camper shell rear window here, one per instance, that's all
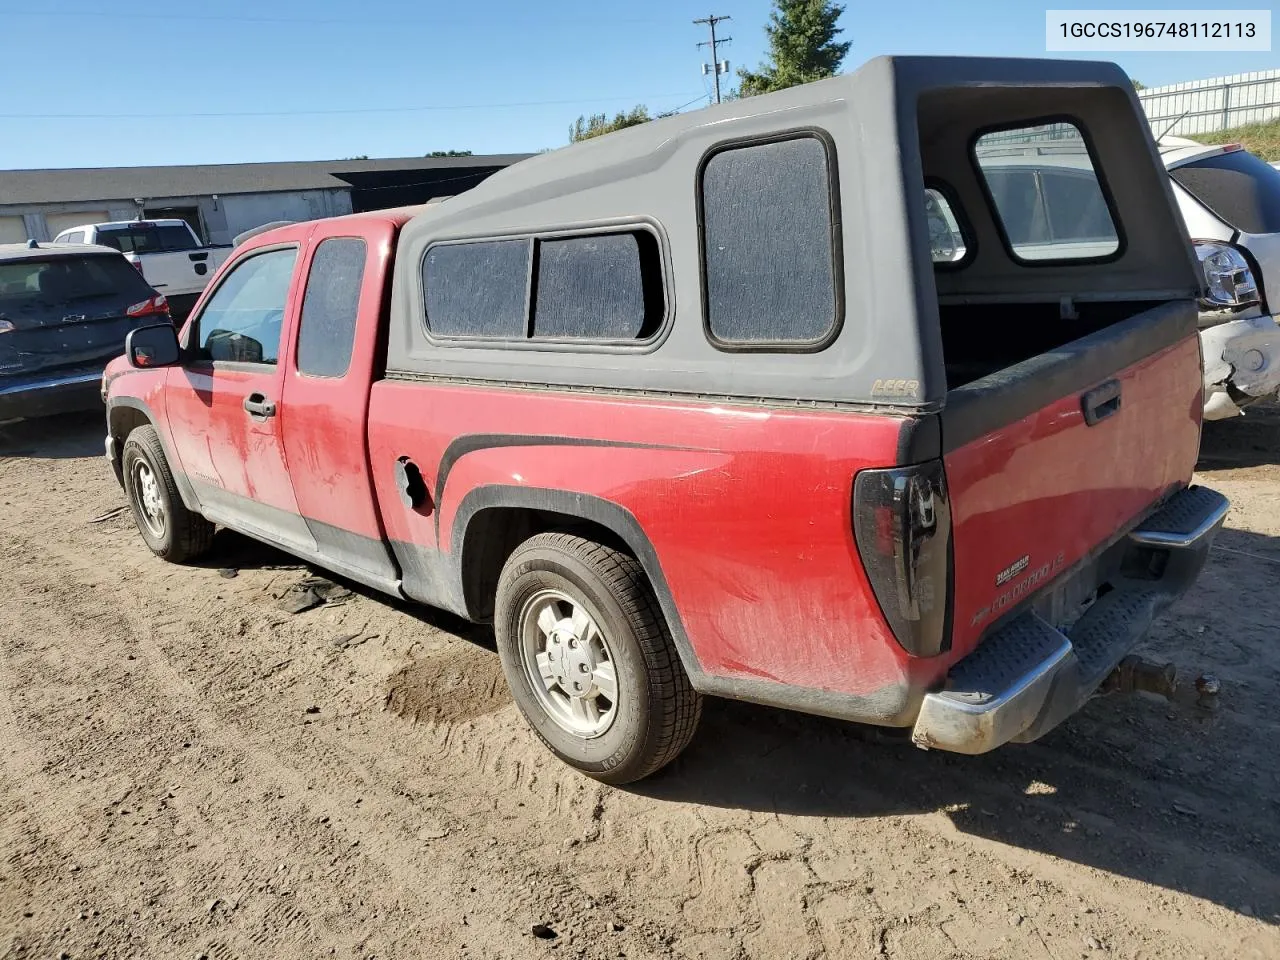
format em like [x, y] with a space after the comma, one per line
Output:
[1044, 185]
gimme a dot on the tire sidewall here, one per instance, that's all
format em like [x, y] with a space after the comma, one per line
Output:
[544, 568]
[132, 453]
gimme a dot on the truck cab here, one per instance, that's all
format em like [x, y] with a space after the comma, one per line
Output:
[803, 399]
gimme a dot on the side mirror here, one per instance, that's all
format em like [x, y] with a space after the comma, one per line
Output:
[152, 346]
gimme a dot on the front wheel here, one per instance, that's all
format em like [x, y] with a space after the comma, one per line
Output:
[589, 659]
[173, 532]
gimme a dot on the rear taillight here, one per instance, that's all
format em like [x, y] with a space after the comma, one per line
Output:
[902, 522]
[1228, 276]
[156, 306]
[137, 263]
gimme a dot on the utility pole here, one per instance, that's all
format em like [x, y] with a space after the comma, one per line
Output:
[717, 67]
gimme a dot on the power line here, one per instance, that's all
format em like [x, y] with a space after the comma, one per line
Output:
[225, 18]
[701, 96]
[316, 113]
[711, 21]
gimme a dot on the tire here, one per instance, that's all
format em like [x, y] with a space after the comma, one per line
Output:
[168, 528]
[654, 710]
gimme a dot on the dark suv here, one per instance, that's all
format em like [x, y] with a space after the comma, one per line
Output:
[64, 313]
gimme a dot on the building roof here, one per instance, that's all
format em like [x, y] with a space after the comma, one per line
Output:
[126, 183]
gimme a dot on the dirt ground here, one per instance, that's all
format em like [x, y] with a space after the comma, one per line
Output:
[189, 771]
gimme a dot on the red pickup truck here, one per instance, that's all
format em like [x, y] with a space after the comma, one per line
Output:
[770, 401]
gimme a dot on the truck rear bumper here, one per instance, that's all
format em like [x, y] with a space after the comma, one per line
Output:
[1029, 676]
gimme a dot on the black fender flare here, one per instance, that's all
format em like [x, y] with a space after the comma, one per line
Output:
[613, 517]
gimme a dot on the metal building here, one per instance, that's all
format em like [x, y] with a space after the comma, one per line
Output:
[223, 200]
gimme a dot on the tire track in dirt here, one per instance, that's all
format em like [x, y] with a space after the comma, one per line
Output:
[776, 835]
[55, 805]
[266, 767]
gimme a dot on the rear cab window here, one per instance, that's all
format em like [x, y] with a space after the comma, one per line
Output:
[1044, 186]
[1238, 187]
[947, 243]
[146, 238]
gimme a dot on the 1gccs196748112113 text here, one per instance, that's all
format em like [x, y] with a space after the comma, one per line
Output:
[1172, 30]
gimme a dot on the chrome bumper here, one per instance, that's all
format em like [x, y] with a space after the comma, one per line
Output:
[1028, 676]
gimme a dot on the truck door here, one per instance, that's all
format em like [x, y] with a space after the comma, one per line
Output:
[224, 404]
[326, 395]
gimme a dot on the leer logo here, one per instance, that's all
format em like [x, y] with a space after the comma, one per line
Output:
[895, 388]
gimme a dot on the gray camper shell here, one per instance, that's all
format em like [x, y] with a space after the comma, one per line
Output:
[823, 186]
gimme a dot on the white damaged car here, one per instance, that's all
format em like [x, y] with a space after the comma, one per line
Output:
[1230, 202]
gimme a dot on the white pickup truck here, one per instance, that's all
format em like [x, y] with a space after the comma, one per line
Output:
[167, 253]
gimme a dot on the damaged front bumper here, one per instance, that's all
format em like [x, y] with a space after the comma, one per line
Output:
[1029, 676]
[1241, 365]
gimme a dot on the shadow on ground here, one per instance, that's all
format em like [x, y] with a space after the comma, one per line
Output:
[232, 551]
[1252, 440]
[1175, 796]
[63, 437]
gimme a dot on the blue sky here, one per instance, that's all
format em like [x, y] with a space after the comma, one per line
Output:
[340, 78]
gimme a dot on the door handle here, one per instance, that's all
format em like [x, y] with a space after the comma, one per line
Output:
[257, 405]
[1101, 402]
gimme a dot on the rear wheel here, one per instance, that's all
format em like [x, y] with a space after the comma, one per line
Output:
[589, 659]
[172, 531]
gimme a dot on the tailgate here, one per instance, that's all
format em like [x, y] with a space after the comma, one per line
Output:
[178, 272]
[1063, 454]
[81, 340]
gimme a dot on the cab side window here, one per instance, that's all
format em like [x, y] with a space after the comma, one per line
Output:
[242, 321]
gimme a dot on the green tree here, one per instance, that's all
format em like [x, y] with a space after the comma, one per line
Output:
[802, 46]
[597, 125]
[1138, 85]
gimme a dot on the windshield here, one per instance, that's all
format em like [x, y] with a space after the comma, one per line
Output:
[29, 287]
[1237, 186]
[148, 238]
